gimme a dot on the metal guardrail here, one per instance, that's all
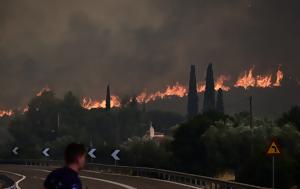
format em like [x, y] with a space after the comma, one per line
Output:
[178, 177]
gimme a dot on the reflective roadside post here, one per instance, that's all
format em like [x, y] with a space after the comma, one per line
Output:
[115, 156]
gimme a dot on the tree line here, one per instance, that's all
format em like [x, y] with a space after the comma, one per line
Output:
[210, 143]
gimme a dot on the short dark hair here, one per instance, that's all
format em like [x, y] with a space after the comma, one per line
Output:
[72, 151]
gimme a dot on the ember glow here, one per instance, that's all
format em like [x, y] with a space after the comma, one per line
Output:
[88, 103]
[43, 90]
[200, 87]
[279, 77]
[25, 109]
[6, 113]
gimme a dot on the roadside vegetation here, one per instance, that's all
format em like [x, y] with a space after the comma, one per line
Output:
[209, 144]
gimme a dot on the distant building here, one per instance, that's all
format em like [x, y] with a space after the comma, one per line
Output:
[151, 134]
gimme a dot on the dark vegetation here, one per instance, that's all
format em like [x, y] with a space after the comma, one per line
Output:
[208, 144]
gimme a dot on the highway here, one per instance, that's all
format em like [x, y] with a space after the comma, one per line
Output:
[32, 177]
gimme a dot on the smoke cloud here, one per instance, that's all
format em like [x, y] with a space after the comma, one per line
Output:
[135, 45]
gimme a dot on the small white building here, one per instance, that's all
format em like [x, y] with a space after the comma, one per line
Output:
[152, 135]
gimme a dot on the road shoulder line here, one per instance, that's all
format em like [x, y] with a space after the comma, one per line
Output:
[23, 177]
[154, 179]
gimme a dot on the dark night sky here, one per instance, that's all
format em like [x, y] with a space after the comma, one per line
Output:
[140, 44]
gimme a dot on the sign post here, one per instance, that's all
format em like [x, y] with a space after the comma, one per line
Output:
[273, 150]
[273, 171]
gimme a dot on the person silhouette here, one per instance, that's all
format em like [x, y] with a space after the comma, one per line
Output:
[67, 177]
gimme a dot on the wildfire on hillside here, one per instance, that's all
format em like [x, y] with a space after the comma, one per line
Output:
[245, 81]
[262, 81]
[88, 103]
[175, 90]
[219, 83]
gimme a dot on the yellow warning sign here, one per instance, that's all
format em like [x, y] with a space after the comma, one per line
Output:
[273, 149]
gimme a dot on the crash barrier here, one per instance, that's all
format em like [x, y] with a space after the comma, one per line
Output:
[173, 176]
[6, 182]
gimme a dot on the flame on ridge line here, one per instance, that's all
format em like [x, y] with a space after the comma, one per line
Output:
[245, 81]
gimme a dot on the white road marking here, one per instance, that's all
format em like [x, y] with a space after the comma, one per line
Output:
[17, 174]
[97, 179]
[109, 181]
[154, 179]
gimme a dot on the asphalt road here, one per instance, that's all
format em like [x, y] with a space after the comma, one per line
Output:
[32, 177]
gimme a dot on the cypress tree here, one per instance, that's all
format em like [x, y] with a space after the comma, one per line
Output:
[107, 101]
[220, 102]
[209, 94]
[192, 105]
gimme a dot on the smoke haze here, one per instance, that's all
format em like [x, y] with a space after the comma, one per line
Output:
[134, 45]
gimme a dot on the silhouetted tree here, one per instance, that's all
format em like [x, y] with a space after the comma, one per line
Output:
[107, 104]
[209, 94]
[192, 106]
[292, 116]
[220, 102]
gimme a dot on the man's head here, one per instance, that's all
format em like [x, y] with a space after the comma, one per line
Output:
[75, 155]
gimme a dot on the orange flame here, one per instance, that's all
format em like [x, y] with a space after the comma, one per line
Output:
[115, 101]
[88, 103]
[6, 113]
[25, 109]
[200, 87]
[279, 77]
[175, 90]
[246, 81]
[141, 98]
[264, 81]
[179, 90]
[43, 90]
[261, 81]
[220, 83]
